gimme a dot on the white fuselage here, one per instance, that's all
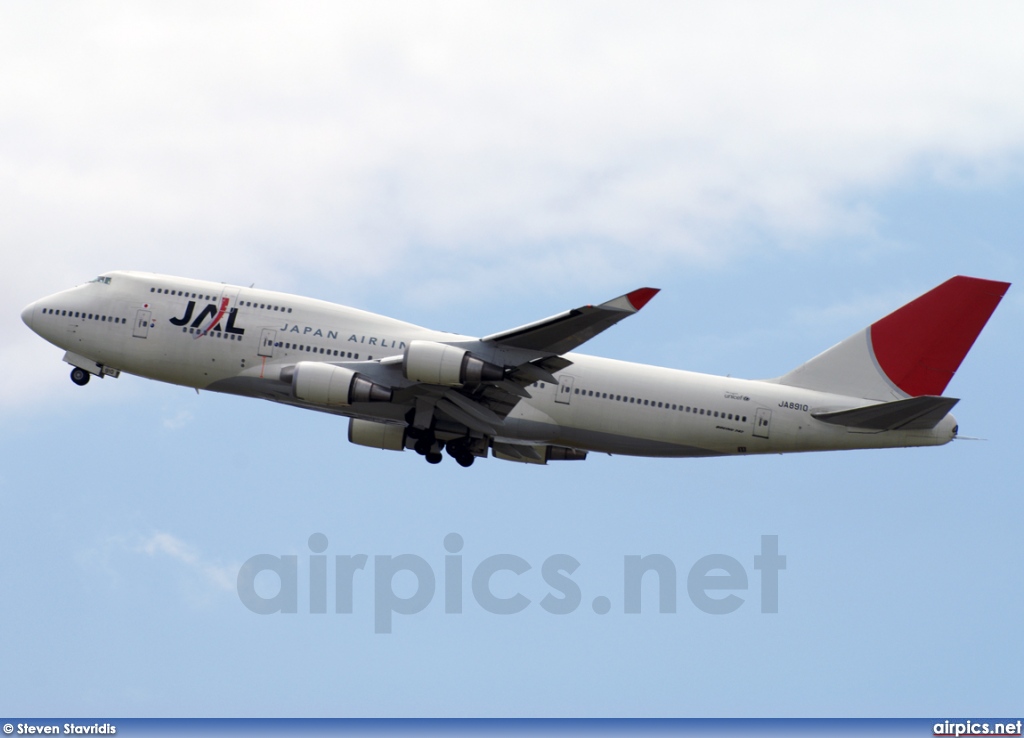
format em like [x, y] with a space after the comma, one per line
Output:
[155, 326]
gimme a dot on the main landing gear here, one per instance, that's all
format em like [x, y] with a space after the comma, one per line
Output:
[80, 376]
[429, 447]
[459, 450]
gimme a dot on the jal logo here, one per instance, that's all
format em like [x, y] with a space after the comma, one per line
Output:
[212, 313]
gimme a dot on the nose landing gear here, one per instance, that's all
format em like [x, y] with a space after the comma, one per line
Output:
[79, 376]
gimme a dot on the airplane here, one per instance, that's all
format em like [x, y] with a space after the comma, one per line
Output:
[521, 394]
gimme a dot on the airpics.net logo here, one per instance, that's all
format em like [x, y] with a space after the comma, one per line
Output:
[968, 727]
[715, 584]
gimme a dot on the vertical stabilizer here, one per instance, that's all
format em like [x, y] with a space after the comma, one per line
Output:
[911, 352]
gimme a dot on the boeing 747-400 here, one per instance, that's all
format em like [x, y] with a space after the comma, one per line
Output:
[520, 394]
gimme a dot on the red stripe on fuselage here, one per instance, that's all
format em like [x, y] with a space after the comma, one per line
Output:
[216, 318]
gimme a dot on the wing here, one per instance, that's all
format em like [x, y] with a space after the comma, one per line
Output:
[566, 331]
[482, 406]
[549, 338]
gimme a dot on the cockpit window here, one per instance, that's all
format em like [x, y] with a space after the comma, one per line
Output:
[101, 280]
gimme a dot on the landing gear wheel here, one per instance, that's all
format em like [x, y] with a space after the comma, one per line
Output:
[465, 460]
[80, 376]
[434, 457]
[425, 443]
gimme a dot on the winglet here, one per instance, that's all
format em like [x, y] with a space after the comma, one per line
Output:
[631, 302]
[639, 298]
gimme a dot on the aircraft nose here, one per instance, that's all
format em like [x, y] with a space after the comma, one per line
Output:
[28, 313]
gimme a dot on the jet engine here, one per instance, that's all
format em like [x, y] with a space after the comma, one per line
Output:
[387, 436]
[438, 363]
[325, 384]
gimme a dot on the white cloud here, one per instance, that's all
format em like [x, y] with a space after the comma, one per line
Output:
[218, 576]
[178, 420]
[203, 581]
[471, 145]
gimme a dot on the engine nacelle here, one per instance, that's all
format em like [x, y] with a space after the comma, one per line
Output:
[325, 384]
[387, 436]
[438, 363]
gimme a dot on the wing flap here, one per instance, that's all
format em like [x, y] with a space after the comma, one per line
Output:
[460, 414]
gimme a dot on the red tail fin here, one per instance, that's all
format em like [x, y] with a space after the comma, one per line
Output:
[921, 345]
[911, 352]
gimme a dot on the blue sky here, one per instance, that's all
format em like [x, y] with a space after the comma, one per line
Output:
[785, 178]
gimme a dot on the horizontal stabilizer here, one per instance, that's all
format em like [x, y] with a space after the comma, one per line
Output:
[917, 413]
